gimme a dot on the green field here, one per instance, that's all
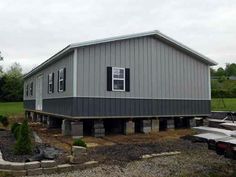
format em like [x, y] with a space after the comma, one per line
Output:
[11, 108]
[16, 108]
[217, 104]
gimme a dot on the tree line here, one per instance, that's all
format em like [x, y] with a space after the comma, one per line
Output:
[11, 83]
[229, 70]
[223, 81]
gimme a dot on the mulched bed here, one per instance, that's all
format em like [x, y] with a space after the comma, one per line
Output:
[121, 154]
[7, 142]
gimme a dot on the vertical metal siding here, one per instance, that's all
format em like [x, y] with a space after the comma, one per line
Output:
[157, 70]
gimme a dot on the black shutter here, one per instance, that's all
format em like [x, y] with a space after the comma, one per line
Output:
[57, 81]
[64, 80]
[127, 79]
[48, 84]
[109, 78]
[52, 82]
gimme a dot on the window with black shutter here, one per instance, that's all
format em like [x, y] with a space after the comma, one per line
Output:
[27, 90]
[51, 83]
[31, 88]
[62, 80]
[118, 79]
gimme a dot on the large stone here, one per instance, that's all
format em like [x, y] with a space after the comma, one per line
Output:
[155, 125]
[77, 128]
[66, 127]
[129, 127]
[78, 150]
[171, 124]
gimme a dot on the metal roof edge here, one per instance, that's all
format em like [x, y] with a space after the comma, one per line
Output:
[99, 41]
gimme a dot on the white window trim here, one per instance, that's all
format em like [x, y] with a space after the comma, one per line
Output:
[61, 80]
[50, 82]
[122, 79]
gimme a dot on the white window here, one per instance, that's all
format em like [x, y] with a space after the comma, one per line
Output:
[27, 90]
[61, 80]
[118, 79]
[50, 83]
[31, 88]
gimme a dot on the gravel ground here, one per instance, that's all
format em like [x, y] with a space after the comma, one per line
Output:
[195, 160]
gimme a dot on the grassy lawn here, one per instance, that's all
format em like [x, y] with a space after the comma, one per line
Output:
[217, 104]
[11, 108]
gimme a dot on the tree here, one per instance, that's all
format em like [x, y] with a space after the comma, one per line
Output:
[230, 69]
[220, 72]
[24, 144]
[11, 84]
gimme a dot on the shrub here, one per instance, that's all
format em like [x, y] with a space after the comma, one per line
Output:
[14, 126]
[79, 142]
[15, 129]
[23, 144]
[4, 120]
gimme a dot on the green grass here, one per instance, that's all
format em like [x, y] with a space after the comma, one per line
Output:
[217, 104]
[11, 108]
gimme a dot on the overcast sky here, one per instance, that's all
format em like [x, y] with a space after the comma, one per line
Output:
[33, 30]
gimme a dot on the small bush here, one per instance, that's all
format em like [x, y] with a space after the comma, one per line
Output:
[23, 144]
[15, 129]
[14, 126]
[4, 121]
[79, 142]
[16, 132]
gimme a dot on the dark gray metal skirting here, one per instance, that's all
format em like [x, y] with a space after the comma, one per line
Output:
[93, 107]
[139, 107]
[29, 104]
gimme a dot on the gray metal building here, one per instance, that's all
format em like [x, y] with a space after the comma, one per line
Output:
[139, 75]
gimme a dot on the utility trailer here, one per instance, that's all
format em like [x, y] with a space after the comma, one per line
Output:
[227, 147]
[211, 139]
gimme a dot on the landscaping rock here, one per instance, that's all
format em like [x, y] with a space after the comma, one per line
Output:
[36, 171]
[50, 170]
[48, 163]
[32, 165]
[19, 173]
[78, 150]
[17, 166]
[64, 168]
[50, 153]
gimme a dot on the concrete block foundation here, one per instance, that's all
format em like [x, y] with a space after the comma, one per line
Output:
[129, 127]
[66, 127]
[98, 128]
[155, 125]
[170, 124]
[146, 126]
[77, 128]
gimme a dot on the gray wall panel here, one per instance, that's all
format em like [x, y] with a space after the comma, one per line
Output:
[157, 70]
[67, 62]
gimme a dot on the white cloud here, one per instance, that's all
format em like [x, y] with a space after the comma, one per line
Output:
[32, 31]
